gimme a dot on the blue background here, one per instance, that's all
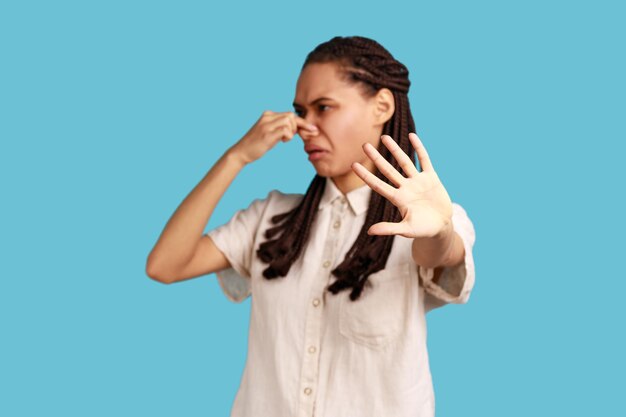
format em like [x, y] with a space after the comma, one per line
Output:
[111, 112]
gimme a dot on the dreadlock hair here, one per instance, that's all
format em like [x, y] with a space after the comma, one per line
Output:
[366, 64]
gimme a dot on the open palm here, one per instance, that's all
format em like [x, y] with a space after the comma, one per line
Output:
[420, 197]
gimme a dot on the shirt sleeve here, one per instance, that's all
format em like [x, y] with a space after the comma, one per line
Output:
[455, 283]
[236, 240]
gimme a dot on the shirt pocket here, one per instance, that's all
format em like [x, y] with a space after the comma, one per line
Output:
[379, 316]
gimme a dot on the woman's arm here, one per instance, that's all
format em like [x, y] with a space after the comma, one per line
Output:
[181, 251]
[426, 209]
[444, 249]
[181, 235]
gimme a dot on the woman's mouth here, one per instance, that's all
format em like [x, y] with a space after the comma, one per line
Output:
[315, 155]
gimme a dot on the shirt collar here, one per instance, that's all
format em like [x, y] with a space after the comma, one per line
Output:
[358, 199]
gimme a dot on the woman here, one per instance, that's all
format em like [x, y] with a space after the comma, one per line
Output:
[341, 277]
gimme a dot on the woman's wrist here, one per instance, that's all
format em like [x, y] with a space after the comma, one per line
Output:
[234, 155]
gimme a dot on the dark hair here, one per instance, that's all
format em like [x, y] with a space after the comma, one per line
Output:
[368, 65]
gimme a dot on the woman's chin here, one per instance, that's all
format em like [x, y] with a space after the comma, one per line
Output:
[321, 168]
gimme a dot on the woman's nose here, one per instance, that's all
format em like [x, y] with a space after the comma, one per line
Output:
[306, 133]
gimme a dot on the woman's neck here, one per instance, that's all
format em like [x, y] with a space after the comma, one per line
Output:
[348, 182]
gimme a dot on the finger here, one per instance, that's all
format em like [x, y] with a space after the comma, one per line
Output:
[269, 115]
[374, 182]
[287, 134]
[292, 122]
[386, 228]
[305, 125]
[403, 159]
[278, 123]
[383, 165]
[290, 117]
[282, 133]
[422, 154]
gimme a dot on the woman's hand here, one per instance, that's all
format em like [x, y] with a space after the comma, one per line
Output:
[421, 198]
[266, 132]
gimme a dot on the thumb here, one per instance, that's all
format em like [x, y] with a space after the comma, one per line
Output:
[386, 228]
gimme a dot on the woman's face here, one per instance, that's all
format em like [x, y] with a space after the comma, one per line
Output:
[345, 120]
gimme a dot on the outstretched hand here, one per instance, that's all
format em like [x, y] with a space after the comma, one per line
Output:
[420, 197]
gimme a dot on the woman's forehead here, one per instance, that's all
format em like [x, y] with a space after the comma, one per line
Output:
[315, 74]
[319, 81]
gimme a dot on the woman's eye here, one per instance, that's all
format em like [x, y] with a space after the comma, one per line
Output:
[301, 114]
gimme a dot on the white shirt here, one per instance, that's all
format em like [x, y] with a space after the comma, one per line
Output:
[312, 353]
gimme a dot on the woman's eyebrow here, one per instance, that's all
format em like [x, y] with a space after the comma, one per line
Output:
[313, 102]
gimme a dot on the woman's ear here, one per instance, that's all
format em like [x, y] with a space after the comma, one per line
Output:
[384, 105]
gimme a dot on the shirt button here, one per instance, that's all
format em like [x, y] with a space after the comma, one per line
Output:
[308, 391]
[311, 349]
[337, 224]
[316, 302]
[343, 200]
[326, 264]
